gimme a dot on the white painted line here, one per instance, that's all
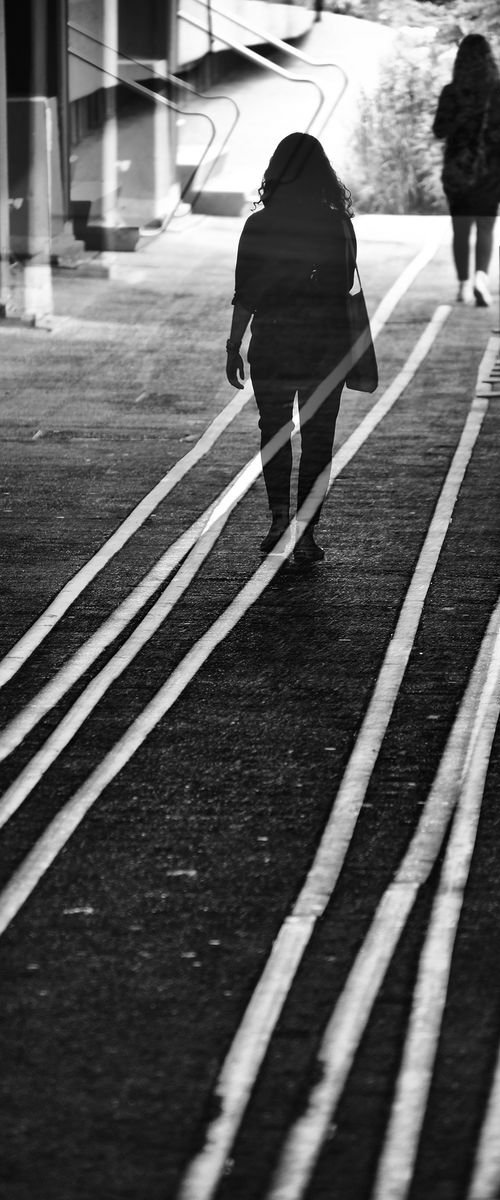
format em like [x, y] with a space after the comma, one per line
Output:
[46, 699]
[33, 712]
[23, 785]
[34, 771]
[401, 285]
[393, 392]
[348, 1023]
[33, 637]
[60, 829]
[339, 1045]
[203, 1175]
[395, 1171]
[485, 1182]
[75, 586]
[351, 1014]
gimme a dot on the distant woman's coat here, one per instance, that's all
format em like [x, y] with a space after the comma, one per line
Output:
[471, 131]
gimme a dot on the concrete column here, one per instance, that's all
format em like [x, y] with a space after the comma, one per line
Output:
[172, 47]
[36, 49]
[110, 130]
[4, 185]
[150, 190]
[63, 101]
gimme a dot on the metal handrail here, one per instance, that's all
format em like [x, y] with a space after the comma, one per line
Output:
[168, 77]
[260, 61]
[284, 46]
[144, 91]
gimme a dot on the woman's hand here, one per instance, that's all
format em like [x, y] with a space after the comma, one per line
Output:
[234, 367]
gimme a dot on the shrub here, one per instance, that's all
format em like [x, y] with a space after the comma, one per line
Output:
[396, 160]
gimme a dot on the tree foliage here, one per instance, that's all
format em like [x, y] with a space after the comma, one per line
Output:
[397, 162]
[483, 17]
[475, 16]
[486, 14]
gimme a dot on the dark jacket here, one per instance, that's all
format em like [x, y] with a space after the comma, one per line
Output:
[295, 266]
[471, 130]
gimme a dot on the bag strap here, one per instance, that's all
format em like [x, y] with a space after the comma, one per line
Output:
[348, 243]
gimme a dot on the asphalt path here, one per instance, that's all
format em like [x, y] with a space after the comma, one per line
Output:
[250, 760]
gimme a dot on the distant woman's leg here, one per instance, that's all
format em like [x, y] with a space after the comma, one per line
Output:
[462, 228]
[484, 249]
[486, 205]
[484, 242]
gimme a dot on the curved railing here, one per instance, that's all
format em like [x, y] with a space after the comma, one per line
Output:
[279, 44]
[260, 61]
[153, 96]
[167, 77]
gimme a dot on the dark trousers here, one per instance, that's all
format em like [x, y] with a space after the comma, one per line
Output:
[274, 396]
[477, 209]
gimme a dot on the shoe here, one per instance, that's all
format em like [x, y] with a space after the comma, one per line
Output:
[482, 294]
[465, 294]
[279, 524]
[306, 550]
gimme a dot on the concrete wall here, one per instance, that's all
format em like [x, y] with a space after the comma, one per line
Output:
[34, 174]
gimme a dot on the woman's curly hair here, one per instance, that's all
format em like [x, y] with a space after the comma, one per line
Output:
[300, 161]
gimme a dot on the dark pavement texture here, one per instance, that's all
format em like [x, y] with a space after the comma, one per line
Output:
[128, 970]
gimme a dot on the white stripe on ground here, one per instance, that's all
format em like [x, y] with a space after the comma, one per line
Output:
[350, 1017]
[348, 1023]
[249, 1046]
[75, 667]
[33, 637]
[251, 1042]
[29, 642]
[485, 1182]
[97, 688]
[397, 1160]
[401, 285]
[50, 695]
[46, 849]
[23, 785]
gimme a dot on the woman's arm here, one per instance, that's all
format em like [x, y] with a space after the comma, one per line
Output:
[234, 365]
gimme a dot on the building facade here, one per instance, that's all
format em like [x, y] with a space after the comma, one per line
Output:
[91, 104]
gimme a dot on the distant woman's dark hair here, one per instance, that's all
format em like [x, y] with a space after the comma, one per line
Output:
[299, 162]
[475, 68]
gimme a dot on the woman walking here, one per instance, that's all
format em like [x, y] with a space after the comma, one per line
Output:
[468, 118]
[295, 266]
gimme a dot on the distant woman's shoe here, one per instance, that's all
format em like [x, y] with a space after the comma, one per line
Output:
[306, 550]
[465, 294]
[482, 293]
[279, 524]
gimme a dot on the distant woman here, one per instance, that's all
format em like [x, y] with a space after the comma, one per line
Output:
[468, 118]
[295, 266]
